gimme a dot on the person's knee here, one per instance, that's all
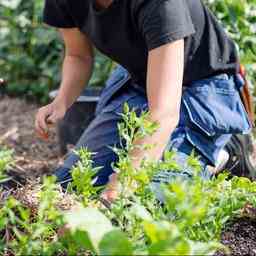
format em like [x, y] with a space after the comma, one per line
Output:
[103, 162]
[185, 171]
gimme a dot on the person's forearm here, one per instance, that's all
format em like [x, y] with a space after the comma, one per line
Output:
[75, 76]
[158, 140]
[164, 90]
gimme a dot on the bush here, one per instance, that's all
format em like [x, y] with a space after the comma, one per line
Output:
[31, 54]
[239, 19]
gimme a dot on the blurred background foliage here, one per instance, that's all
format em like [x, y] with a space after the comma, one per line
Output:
[239, 19]
[31, 53]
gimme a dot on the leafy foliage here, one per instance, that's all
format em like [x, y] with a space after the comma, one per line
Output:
[83, 177]
[239, 19]
[31, 54]
[183, 225]
[5, 161]
[137, 223]
[26, 233]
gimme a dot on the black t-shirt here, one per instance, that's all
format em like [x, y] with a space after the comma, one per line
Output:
[128, 29]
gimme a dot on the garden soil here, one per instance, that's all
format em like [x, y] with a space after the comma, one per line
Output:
[34, 158]
[240, 238]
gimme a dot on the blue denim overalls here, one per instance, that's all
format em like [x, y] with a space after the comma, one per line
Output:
[211, 111]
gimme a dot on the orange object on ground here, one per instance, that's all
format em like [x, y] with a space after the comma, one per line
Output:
[44, 136]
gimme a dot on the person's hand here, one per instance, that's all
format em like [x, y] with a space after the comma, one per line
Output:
[47, 116]
[111, 193]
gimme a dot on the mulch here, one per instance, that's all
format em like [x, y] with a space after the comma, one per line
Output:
[34, 158]
[240, 237]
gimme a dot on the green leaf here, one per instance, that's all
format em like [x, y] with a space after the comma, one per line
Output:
[141, 212]
[170, 247]
[90, 220]
[126, 108]
[82, 240]
[115, 243]
[207, 248]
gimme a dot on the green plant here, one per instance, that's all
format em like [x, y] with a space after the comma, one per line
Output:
[137, 223]
[101, 237]
[83, 177]
[31, 231]
[31, 53]
[239, 19]
[5, 162]
[185, 223]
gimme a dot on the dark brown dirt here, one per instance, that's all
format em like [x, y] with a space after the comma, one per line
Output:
[33, 157]
[240, 237]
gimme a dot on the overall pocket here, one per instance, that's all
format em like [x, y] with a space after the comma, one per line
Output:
[213, 106]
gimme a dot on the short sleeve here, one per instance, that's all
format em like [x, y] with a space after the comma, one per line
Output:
[164, 21]
[56, 14]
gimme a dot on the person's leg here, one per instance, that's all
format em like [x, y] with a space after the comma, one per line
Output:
[211, 110]
[204, 127]
[101, 135]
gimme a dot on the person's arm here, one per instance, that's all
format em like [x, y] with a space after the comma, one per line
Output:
[77, 66]
[164, 89]
[77, 70]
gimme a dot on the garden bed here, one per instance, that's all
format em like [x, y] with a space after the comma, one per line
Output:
[240, 237]
[34, 157]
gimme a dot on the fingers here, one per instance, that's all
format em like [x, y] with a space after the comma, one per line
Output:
[112, 191]
[41, 117]
[41, 121]
[52, 119]
[110, 195]
[40, 132]
[58, 112]
[113, 181]
[48, 116]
